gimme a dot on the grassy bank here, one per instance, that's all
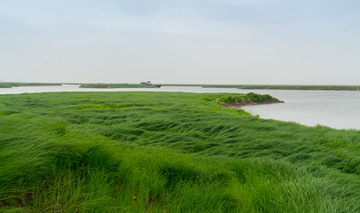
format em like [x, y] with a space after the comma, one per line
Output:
[19, 84]
[167, 152]
[124, 85]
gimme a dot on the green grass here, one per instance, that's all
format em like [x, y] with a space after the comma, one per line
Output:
[19, 84]
[124, 85]
[167, 152]
[249, 97]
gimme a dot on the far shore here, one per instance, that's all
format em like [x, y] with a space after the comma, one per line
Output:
[21, 84]
[289, 87]
[119, 85]
[234, 86]
[275, 87]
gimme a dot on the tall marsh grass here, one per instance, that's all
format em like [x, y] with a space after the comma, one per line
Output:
[167, 152]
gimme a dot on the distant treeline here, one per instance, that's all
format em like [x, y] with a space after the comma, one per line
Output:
[122, 85]
[288, 87]
[17, 84]
[280, 87]
[184, 85]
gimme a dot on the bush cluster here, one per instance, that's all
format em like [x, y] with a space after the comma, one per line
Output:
[229, 99]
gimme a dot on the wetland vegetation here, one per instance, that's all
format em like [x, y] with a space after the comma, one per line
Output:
[167, 152]
[121, 85]
[289, 87]
[278, 87]
[236, 101]
[21, 84]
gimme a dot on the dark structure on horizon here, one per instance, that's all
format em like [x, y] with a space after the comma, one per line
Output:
[146, 83]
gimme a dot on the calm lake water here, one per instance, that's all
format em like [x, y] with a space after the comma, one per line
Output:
[336, 109]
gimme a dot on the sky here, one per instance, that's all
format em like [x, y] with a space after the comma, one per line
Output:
[181, 41]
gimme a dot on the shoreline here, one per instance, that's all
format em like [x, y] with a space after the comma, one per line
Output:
[289, 87]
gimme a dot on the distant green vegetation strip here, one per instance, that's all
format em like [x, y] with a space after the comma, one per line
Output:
[124, 85]
[288, 87]
[180, 85]
[280, 87]
[18, 84]
[167, 152]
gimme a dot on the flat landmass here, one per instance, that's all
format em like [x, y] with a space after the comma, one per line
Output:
[289, 87]
[168, 152]
[122, 85]
[278, 87]
[19, 84]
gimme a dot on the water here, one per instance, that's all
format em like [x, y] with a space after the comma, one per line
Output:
[76, 88]
[336, 109]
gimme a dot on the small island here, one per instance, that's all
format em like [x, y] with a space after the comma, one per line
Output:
[120, 85]
[239, 100]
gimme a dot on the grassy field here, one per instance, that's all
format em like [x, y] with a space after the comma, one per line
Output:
[123, 85]
[167, 152]
[18, 84]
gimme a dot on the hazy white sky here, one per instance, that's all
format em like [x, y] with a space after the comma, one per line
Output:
[181, 41]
